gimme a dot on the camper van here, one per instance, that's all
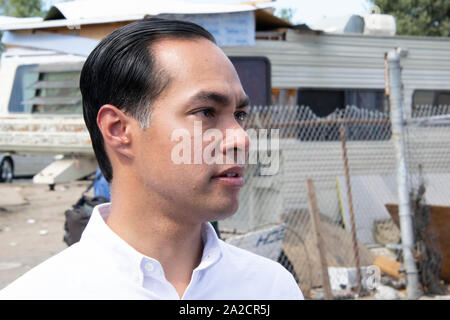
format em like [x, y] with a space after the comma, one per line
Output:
[34, 114]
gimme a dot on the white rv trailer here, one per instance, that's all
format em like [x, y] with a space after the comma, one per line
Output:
[303, 62]
[326, 64]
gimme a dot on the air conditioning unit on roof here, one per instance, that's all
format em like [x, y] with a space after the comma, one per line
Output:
[379, 24]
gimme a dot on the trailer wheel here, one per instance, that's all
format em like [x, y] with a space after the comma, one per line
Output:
[6, 170]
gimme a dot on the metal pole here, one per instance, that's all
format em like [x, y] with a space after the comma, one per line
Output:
[406, 223]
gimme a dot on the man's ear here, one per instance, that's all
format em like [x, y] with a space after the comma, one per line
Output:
[116, 128]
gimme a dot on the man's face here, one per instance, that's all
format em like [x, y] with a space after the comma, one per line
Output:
[204, 91]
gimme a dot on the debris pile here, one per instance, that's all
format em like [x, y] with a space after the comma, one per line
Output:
[300, 246]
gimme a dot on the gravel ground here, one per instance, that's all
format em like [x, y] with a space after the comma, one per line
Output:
[32, 224]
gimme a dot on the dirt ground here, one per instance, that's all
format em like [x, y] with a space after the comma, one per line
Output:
[32, 224]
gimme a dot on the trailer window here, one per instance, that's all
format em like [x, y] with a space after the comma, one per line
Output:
[21, 91]
[325, 101]
[47, 89]
[426, 102]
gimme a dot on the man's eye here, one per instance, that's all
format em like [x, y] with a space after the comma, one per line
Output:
[208, 113]
[241, 115]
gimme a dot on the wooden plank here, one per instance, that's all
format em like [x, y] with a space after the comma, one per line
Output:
[439, 226]
[301, 248]
[315, 221]
[350, 206]
[92, 31]
[389, 266]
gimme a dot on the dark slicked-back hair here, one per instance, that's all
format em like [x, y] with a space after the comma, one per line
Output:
[122, 71]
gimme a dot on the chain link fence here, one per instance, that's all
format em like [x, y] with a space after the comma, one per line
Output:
[428, 153]
[330, 233]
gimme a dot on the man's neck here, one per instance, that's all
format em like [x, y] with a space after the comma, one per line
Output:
[177, 245]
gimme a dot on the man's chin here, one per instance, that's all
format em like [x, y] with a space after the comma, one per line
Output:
[224, 211]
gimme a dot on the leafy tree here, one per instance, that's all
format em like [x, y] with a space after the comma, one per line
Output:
[21, 8]
[286, 14]
[418, 17]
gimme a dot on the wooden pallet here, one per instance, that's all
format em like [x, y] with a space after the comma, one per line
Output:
[439, 227]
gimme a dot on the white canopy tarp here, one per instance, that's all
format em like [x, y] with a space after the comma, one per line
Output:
[82, 12]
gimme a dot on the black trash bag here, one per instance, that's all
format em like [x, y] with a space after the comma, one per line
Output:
[78, 216]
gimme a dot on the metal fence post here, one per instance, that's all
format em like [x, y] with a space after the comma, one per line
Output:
[406, 223]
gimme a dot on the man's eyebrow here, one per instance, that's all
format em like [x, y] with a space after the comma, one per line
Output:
[244, 102]
[219, 98]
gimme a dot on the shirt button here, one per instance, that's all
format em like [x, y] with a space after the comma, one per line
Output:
[149, 267]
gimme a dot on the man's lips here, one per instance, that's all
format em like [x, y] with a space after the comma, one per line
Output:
[235, 171]
[233, 177]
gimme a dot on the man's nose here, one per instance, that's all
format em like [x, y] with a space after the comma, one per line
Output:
[235, 144]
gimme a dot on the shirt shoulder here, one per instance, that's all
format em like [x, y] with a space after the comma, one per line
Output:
[274, 280]
[55, 278]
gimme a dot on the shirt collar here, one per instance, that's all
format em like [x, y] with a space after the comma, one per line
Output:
[130, 260]
[211, 247]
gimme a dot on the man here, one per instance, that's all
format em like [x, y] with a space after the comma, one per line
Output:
[101, 186]
[141, 84]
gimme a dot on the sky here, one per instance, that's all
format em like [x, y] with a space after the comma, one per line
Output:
[306, 11]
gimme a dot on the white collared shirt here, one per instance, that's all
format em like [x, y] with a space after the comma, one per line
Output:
[103, 266]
